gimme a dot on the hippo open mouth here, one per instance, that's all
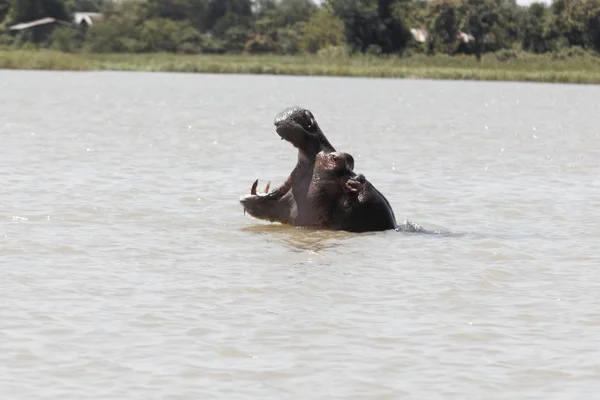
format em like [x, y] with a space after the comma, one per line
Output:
[297, 126]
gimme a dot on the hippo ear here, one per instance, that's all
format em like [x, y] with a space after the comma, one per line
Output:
[311, 120]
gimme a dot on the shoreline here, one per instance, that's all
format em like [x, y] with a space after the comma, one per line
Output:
[523, 68]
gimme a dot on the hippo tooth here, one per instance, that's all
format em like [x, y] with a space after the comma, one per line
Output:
[267, 187]
[253, 190]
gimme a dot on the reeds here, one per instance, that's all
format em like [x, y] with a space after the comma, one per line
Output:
[499, 67]
[42, 59]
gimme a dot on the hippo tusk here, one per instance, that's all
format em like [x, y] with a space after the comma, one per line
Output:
[253, 189]
[267, 187]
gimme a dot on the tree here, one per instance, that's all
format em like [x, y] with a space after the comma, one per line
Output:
[509, 29]
[481, 16]
[593, 23]
[443, 24]
[4, 9]
[119, 31]
[397, 16]
[322, 29]
[220, 15]
[362, 25]
[279, 24]
[579, 22]
[539, 29]
[180, 10]
[291, 12]
[28, 10]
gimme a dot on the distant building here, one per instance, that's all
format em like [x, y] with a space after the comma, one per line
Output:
[86, 18]
[419, 34]
[33, 24]
[38, 30]
[464, 37]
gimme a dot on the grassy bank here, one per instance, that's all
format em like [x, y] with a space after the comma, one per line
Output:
[525, 67]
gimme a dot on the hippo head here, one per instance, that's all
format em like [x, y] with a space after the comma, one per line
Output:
[298, 126]
[334, 163]
[334, 173]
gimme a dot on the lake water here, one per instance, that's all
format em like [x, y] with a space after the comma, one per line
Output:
[129, 270]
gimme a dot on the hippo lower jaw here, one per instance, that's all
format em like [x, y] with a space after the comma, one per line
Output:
[269, 206]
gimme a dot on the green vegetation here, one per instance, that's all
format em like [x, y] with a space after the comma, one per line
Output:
[465, 39]
[565, 68]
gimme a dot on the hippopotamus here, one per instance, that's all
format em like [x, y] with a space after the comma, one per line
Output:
[322, 191]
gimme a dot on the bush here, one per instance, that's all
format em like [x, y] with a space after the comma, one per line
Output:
[235, 39]
[112, 36]
[6, 41]
[189, 39]
[570, 52]
[287, 41]
[212, 45]
[66, 39]
[158, 34]
[260, 44]
[506, 55]
[374, 50]
[334, 52]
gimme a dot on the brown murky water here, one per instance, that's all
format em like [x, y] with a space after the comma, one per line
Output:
[130, 272]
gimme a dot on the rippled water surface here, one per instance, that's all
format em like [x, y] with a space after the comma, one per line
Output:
[129, 270]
